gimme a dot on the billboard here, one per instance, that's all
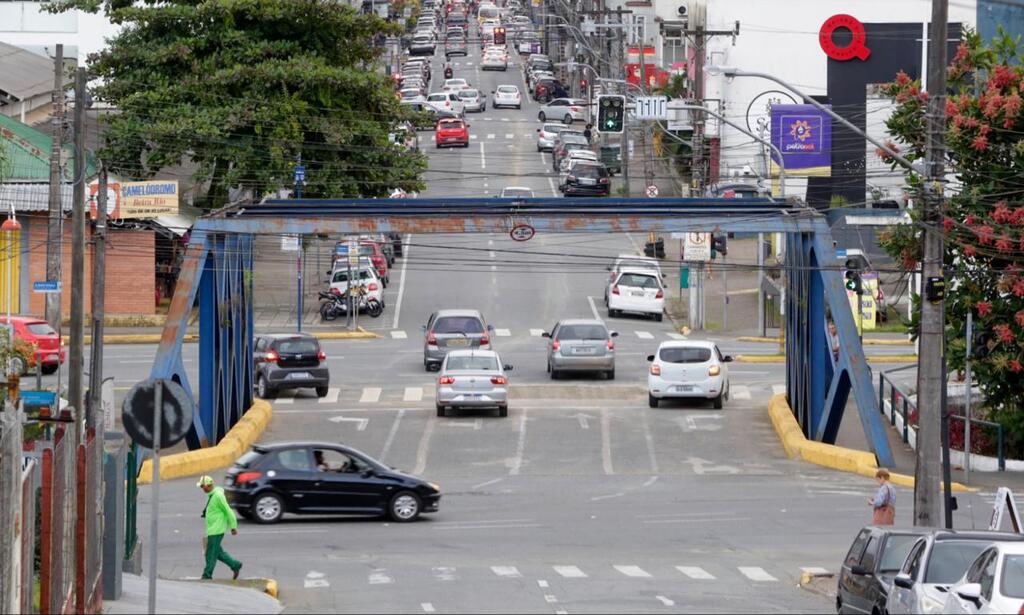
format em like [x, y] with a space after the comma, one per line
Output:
[137, 199]
[803, 134]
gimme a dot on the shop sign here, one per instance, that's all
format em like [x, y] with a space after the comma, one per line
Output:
[857, 48]
[803, 134]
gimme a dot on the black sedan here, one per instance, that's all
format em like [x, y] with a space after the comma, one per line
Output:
[316, 478]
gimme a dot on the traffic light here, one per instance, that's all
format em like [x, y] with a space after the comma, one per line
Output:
[499, 36]
[719, 244]
[611, 113]
[980, 345]
[853, 278]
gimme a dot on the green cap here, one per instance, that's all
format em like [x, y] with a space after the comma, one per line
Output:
[204, 480]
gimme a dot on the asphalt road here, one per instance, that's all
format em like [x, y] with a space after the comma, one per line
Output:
[583, 499]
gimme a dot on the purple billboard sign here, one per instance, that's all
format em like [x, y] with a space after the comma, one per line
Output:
[804, 136]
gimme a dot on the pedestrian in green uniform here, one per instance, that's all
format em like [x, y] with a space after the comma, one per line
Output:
[219, 517]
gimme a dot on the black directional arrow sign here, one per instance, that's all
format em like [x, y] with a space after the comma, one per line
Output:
[176, 413]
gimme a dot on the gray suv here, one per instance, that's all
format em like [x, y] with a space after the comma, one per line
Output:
[454, 330]
[580, 345]
[289, 361]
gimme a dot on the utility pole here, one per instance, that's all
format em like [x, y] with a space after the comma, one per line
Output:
[99, 269]
[53, 227]
[697, 166]
[75, 361]
[930, 383]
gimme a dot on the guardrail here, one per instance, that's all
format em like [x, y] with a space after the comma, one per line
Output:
[899, 404]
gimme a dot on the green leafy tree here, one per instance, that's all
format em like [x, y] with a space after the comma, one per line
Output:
[983, 220]
[243, 88]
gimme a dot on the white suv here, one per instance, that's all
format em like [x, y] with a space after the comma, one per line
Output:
[636, 290]
[694, 369]
[447, 101]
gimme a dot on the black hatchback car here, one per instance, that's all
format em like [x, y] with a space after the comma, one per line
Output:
[874, 558]
[587, 178]
[316, 478]
[289, 361]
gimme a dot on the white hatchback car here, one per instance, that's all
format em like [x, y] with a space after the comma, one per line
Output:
[365, 275]
[507, 96]
[688, 369]
[494, 61]
[994, 582]
[450, 85]
[636, 290]
[447, 101]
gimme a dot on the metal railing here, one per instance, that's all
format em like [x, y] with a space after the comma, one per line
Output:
[899, 403]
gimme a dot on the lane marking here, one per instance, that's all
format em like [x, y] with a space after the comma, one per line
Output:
[570, 572]
[489, 527]
[379, 576]
[488, 483]
[696, 572]
[551, 183]
[391, 434]
[371, 395]
[490, 136]
[755, 573]
[650, 481]
[644, 335]
[606, 442]
[676, 336]
[507, 571]
[598, 498]
[536, 332]
[315, 579]
[741, 392]
[814, 570]
[444, 573]
[399, 335]
[633, 571]
[509, 135]
[413, 394]
[502, 333]
[286, 400]
[483, 157]
[494, 267]
[517, 461]
[665, 601]
[491, 253]
[426, 606]
[424, 446]
[649, 441]
[550, 598]
[331, 397]
[542, 583]
[778, 389]
[593, 308]
[361, 423]
[401, 282]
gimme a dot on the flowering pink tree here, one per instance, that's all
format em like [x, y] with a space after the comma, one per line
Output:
[983, 221]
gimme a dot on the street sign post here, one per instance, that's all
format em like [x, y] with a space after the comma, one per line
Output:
[651, 108]
[697, 247]
[652, 191]
[46, 286]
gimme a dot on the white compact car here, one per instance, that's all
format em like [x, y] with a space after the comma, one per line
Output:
[636, 290]
[448, 101]
[450, 85]
[364, 275]
[994, 582]
[494, 61]
[507, 96]
[688, 369]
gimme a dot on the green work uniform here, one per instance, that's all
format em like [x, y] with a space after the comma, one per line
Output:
[219, 517]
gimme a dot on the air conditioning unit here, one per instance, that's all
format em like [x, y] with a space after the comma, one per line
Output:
[682, 10]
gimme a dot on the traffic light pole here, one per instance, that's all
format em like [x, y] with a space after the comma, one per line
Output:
[624, 151]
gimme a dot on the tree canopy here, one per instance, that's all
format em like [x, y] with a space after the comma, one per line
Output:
[244, 88]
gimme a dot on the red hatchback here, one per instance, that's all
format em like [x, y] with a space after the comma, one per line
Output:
[49, 350]
[452, 132]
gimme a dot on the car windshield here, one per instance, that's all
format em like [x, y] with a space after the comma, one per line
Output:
[458, 324]
[40, 328]
[685, 354]
[637, 280]
[450, 124]
[468, 93]
[593, 171]
[248, 459]
[507, 89]
[1012, 582]
[950, 559]
[341, 275]
[555, 128]
[297, 346]
[582, 332]
[471, 362]
[895, 553]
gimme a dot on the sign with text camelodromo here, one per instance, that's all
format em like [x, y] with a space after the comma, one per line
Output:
[803, 134]
[147, 199]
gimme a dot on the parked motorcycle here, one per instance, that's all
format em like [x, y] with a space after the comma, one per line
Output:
[334, 305]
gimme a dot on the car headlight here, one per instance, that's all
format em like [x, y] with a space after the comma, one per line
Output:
[437, 488]
[930, 604]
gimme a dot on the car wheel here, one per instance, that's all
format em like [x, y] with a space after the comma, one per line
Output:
[440, 410]
[50, 369]
[567, 119]
[555, 374]
[18, 365]
[612, 313]
[269, 508]
[718, 401]
[321, 391]
[404, 507]
[503, 411]
[652, 401]
[610, 374]
[542, 117]
[519, 106]
[658, 317]
[264, 390]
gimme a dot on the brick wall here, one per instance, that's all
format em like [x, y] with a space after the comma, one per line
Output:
[131, 263]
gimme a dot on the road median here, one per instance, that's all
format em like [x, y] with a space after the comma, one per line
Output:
[201, 461]
[797, 446]
[781, 358]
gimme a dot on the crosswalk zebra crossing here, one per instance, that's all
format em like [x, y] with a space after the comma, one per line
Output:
[398, 334]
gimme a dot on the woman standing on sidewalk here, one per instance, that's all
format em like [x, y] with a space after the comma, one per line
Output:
[884, 502]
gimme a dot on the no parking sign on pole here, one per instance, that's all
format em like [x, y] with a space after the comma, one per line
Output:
[652, 191]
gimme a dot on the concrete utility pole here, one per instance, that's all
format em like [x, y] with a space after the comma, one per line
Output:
[698, 179]
[75, 360]
[53, 227]
[930, 381]
[99, 253]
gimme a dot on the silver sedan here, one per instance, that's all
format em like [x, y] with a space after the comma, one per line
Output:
[472, 379]
[568, 110]
[581, 345]
[475, 100]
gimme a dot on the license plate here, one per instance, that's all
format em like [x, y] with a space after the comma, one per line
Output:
[458, 342]
[52, 357]
[299, 376]
[584, 350]
[684, 388]
[637, 293]
[588, 182]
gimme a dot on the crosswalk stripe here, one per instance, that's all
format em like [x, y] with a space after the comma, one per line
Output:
[696, 572]
[644, 335]
[755, 573]
[286, 400]
[509, 135]
[536, 332]
[571, 572]
[490, 136]
[331, 397]
[676, 336]
[371, 395]
[814, 570]
[506, 571]
[398, 335]
[633, 571]
[413, 394]
[502, 332]
[739, 392]
[778, 389]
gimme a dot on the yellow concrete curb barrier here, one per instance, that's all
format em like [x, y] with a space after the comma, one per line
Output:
[781, 358]
[867, 341]
[270, 588]
[827, 455]
[361, 334]
[238, 440]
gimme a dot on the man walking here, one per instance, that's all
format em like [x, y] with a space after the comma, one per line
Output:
[219, 517]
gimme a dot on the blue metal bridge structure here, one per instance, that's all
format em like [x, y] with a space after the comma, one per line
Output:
[218, 264]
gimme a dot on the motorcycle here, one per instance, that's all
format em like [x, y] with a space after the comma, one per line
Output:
[333, 305]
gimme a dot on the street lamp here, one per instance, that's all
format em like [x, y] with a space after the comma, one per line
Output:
[9, 228]
[730, 73]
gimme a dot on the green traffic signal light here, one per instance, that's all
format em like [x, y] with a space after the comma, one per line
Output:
[611, 113]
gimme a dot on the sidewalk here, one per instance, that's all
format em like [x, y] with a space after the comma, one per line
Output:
[190, 597]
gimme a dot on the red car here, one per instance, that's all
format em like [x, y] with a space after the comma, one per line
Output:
[49, 350]
[452, 132]
[367, 249]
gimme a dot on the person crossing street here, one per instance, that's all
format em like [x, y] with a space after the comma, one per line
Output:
[219, 517]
